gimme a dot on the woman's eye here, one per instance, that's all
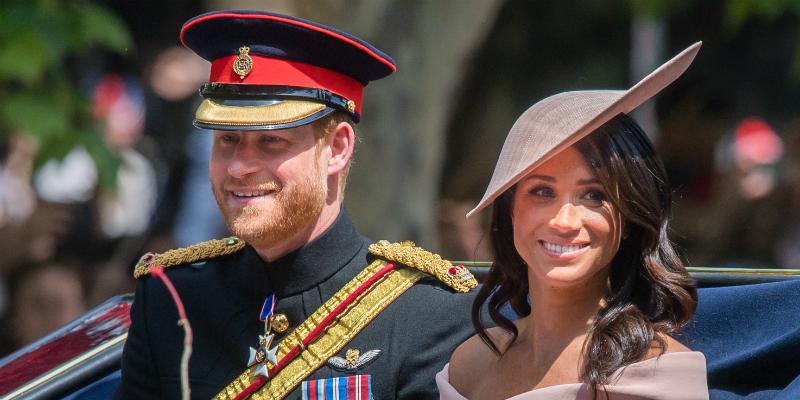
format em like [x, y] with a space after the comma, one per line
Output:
[542, 191]
[597, 196]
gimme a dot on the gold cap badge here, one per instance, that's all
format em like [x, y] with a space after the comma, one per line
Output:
[351, 105]
[243, 64]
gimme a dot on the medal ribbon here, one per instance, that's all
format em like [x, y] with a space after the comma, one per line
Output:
[268, 308]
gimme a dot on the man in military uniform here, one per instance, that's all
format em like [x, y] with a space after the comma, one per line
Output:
[298, 304]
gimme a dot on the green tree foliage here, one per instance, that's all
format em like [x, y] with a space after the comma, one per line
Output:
[738, 12]
[38, 97]
[658, 8]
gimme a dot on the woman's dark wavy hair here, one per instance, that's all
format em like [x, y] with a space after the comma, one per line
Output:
[651, 293]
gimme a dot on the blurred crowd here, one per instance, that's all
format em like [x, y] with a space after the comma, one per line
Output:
[750, 216]
[68, 241]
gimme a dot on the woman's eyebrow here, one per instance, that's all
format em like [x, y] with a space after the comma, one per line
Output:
[546, 178]
[590, 181]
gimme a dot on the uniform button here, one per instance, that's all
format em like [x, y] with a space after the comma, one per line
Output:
[279, 323]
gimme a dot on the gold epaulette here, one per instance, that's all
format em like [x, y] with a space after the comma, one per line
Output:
[187, 255]
[457, 277]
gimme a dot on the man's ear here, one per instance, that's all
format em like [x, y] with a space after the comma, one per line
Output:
[342, 144]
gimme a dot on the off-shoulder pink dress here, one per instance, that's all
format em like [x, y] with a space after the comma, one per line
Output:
[672, 376]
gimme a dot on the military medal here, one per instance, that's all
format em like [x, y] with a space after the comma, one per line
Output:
[262, 355]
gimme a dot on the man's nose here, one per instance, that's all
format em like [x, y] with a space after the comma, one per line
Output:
[245, 161]
[567, 218]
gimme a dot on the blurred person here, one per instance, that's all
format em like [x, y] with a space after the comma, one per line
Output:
[175, 73]
[44, 297]
[17, 197]
[749, 219]
[298, 301]
[755, 151]
[579, 229]
[104, 215]
[788, 243]
[118, 106]
[461, 238]
[108, 224]
[30, 229]
[174, 77]
[126, 211]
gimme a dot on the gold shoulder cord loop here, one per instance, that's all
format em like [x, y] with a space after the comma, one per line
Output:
[457, 277]
[187, 255]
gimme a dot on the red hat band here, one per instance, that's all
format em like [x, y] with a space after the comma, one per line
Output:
[281, 72]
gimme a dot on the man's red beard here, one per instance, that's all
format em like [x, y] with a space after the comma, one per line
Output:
[270, 222]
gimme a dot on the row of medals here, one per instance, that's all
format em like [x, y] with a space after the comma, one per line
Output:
[263, 354]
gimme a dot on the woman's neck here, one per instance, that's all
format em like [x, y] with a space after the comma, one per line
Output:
[561, 316]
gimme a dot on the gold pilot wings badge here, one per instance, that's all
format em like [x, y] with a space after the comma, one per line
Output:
[187, 255]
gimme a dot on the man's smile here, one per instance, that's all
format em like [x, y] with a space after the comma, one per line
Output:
[248, 196]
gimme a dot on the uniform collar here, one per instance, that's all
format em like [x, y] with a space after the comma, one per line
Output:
[315, 262]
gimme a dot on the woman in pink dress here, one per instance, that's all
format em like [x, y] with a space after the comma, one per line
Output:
[579, 232]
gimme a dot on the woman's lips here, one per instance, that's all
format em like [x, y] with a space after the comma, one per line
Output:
[563, 251]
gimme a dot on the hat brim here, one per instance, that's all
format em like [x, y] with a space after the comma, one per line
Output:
[522, 152]
[284, 114]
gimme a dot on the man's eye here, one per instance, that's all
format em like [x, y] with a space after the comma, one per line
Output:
[271, 139]
[228, 138]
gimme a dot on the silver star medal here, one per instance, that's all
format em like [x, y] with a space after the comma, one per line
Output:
[263, 354]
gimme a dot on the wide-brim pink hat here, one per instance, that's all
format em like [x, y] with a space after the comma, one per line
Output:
[561, 120]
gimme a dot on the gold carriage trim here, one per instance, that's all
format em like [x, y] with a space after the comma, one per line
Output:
[356, 317]
[187, 255]
[457, 277]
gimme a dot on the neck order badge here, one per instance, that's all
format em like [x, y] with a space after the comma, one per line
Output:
[263, 355]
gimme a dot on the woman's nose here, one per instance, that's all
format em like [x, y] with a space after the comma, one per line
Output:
[567, 218]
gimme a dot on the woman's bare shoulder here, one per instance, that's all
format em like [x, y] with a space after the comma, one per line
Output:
[462, 372]
[671, 345]
[674, 346]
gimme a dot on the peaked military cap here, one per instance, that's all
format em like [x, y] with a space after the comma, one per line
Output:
[272, 71]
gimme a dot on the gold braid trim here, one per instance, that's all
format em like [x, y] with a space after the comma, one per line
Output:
[187, 255]
[354, 319]
[457, 277]
[211, 112]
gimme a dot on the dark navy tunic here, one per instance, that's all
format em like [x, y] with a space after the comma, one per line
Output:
[223, 297]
